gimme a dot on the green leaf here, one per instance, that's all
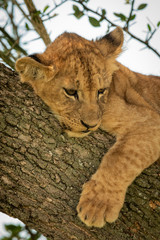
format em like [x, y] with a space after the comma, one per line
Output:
[36, 13]
[75, 8]
[132, 17]
[27, 26]
[121, 16]
[45, 8]
[3, 4]
[103, 12]
[94, 22]
[142, 6]
[149, 27]
[158, 24]
[127, 2]
[77, 13]
[54, 15]
[14, 230]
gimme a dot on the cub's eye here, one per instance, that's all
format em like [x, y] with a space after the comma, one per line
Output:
[101, 91]
[71, 92]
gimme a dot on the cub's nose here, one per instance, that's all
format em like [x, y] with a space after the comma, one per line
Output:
[88, 126]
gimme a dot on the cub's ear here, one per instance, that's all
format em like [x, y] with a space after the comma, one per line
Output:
[111, 44]
[31, 69]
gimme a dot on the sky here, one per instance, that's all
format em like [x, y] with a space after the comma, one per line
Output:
[143, 61]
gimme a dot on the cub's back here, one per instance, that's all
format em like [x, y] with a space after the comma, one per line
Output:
[149, 88]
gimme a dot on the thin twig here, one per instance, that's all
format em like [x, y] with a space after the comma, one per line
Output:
[32, 40]
[151, 35]
[4, 45]
[12, 47]
[151, 22]
[95, 12]
[11, 17]
[24, 14]
[144, 42]
[130, 15]
[56, 6]
[12, 41]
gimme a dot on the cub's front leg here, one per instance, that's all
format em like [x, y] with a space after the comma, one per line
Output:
[103, 196]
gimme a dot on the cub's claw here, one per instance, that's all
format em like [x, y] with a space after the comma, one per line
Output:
[98, 204]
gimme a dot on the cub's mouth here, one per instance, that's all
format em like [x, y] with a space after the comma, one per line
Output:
[72, 132]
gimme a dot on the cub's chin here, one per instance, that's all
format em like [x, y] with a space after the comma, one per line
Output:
[77, 134]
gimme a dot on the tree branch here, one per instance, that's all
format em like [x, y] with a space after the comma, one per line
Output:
[37, 22]
[42, 172]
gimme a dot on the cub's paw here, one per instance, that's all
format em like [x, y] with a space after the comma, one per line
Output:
[99, 204]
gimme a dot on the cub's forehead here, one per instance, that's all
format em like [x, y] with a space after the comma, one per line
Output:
[83, 70]
[69, 44]
[79, 61]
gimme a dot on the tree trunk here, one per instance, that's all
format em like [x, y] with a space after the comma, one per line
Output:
[42, 172]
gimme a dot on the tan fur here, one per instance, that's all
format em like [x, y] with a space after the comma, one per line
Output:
[68, 76]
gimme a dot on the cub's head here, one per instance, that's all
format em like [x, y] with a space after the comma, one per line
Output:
[73, 77]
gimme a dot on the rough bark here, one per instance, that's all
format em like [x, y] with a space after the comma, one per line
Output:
[42, 172]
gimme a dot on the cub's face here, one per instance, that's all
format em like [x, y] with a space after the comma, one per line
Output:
[73, 77]
[77, 93]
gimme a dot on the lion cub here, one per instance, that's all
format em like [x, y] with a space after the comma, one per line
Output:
[87, 88]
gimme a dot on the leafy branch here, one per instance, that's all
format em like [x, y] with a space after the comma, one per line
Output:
[37, 22]
[19, 232]
[121, 17]
[32, 19]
